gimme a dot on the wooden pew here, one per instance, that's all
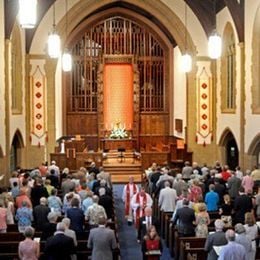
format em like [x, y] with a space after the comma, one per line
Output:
[187, 244]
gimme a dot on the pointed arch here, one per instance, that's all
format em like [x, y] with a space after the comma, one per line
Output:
[16, 148]
[229, 149]
[254, 151]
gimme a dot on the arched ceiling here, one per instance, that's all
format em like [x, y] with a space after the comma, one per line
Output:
[203, 9]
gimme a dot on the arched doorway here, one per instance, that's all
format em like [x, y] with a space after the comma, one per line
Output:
[15, 151]
[254, 152]
[230, 154]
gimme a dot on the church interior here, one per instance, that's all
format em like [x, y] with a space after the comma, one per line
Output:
[127, 73]
[126, 83]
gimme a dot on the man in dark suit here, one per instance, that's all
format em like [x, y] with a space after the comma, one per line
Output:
[218, 238]
[102, 241]
[107, 202]
[146, 221]
[184, 218]
[40, 214]
[59, 246]
[242, 204]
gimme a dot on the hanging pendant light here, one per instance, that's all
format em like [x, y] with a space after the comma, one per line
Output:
[186, 60]
[66, 61]
[215, 41]
[54, 40]
[66, 57]
[27, 13]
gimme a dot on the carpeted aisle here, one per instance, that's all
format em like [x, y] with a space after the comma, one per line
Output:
[129, 248]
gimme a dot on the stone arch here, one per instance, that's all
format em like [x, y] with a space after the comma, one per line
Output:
[159, 14]
[254, 151]
[229, 149]
[15, 152]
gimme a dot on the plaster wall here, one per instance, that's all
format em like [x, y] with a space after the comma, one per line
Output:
[230, 120]
[194, 27]
[179, 93]
[17, 121]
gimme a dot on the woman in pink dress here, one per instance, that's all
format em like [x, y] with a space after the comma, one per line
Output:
[195, 191]
[29, 249]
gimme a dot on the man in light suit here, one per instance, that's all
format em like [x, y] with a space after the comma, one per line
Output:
[102, 241]
[218, 238]
[167, 198]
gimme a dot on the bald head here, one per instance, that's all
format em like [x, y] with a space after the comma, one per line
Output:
[230, 235]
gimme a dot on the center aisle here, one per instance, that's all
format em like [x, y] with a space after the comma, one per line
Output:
[129, 248]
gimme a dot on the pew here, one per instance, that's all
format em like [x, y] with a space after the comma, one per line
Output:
[187, 244]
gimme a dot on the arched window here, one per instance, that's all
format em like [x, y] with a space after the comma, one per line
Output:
[256, 64]
[228, 72]
[16, 70]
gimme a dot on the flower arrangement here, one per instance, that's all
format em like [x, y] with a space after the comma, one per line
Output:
[118, 132]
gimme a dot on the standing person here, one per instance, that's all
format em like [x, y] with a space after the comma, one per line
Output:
[248, 182]
[232, 250]
[146, 222]
[167, 198]
[151, 245]
[251, 232]
[242, 204]
[187, 171]
[76, 216]
[3, 218]
[195, 191]
[225, 211]
[217, 238]
[233, 185]
[202, 221]
[40, 214]
[102, 241]
[59, 246]
[24, 217]
[29, 249]
[212, 199]
[185, 217]
[242, 239]
[139, 202]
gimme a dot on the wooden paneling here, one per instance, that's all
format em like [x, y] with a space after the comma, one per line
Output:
[82, 124]
[154, 124]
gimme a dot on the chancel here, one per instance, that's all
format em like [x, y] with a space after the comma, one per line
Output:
[97, 88]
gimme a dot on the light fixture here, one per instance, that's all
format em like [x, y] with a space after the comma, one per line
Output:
[186, 60]
[27, 13]
[215, 42]
[66, 57]
[54, 40]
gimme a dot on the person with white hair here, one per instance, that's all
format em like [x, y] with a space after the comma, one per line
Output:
[232, 250]
[167, 198]
[217, 238]
[54, 167]
[28, 248]
[40, 213]
[179, 184]
[94, 212]
[59, 246]
[24, 217]
[242, 239]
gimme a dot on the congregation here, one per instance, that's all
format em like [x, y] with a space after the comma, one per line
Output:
[61, 207]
